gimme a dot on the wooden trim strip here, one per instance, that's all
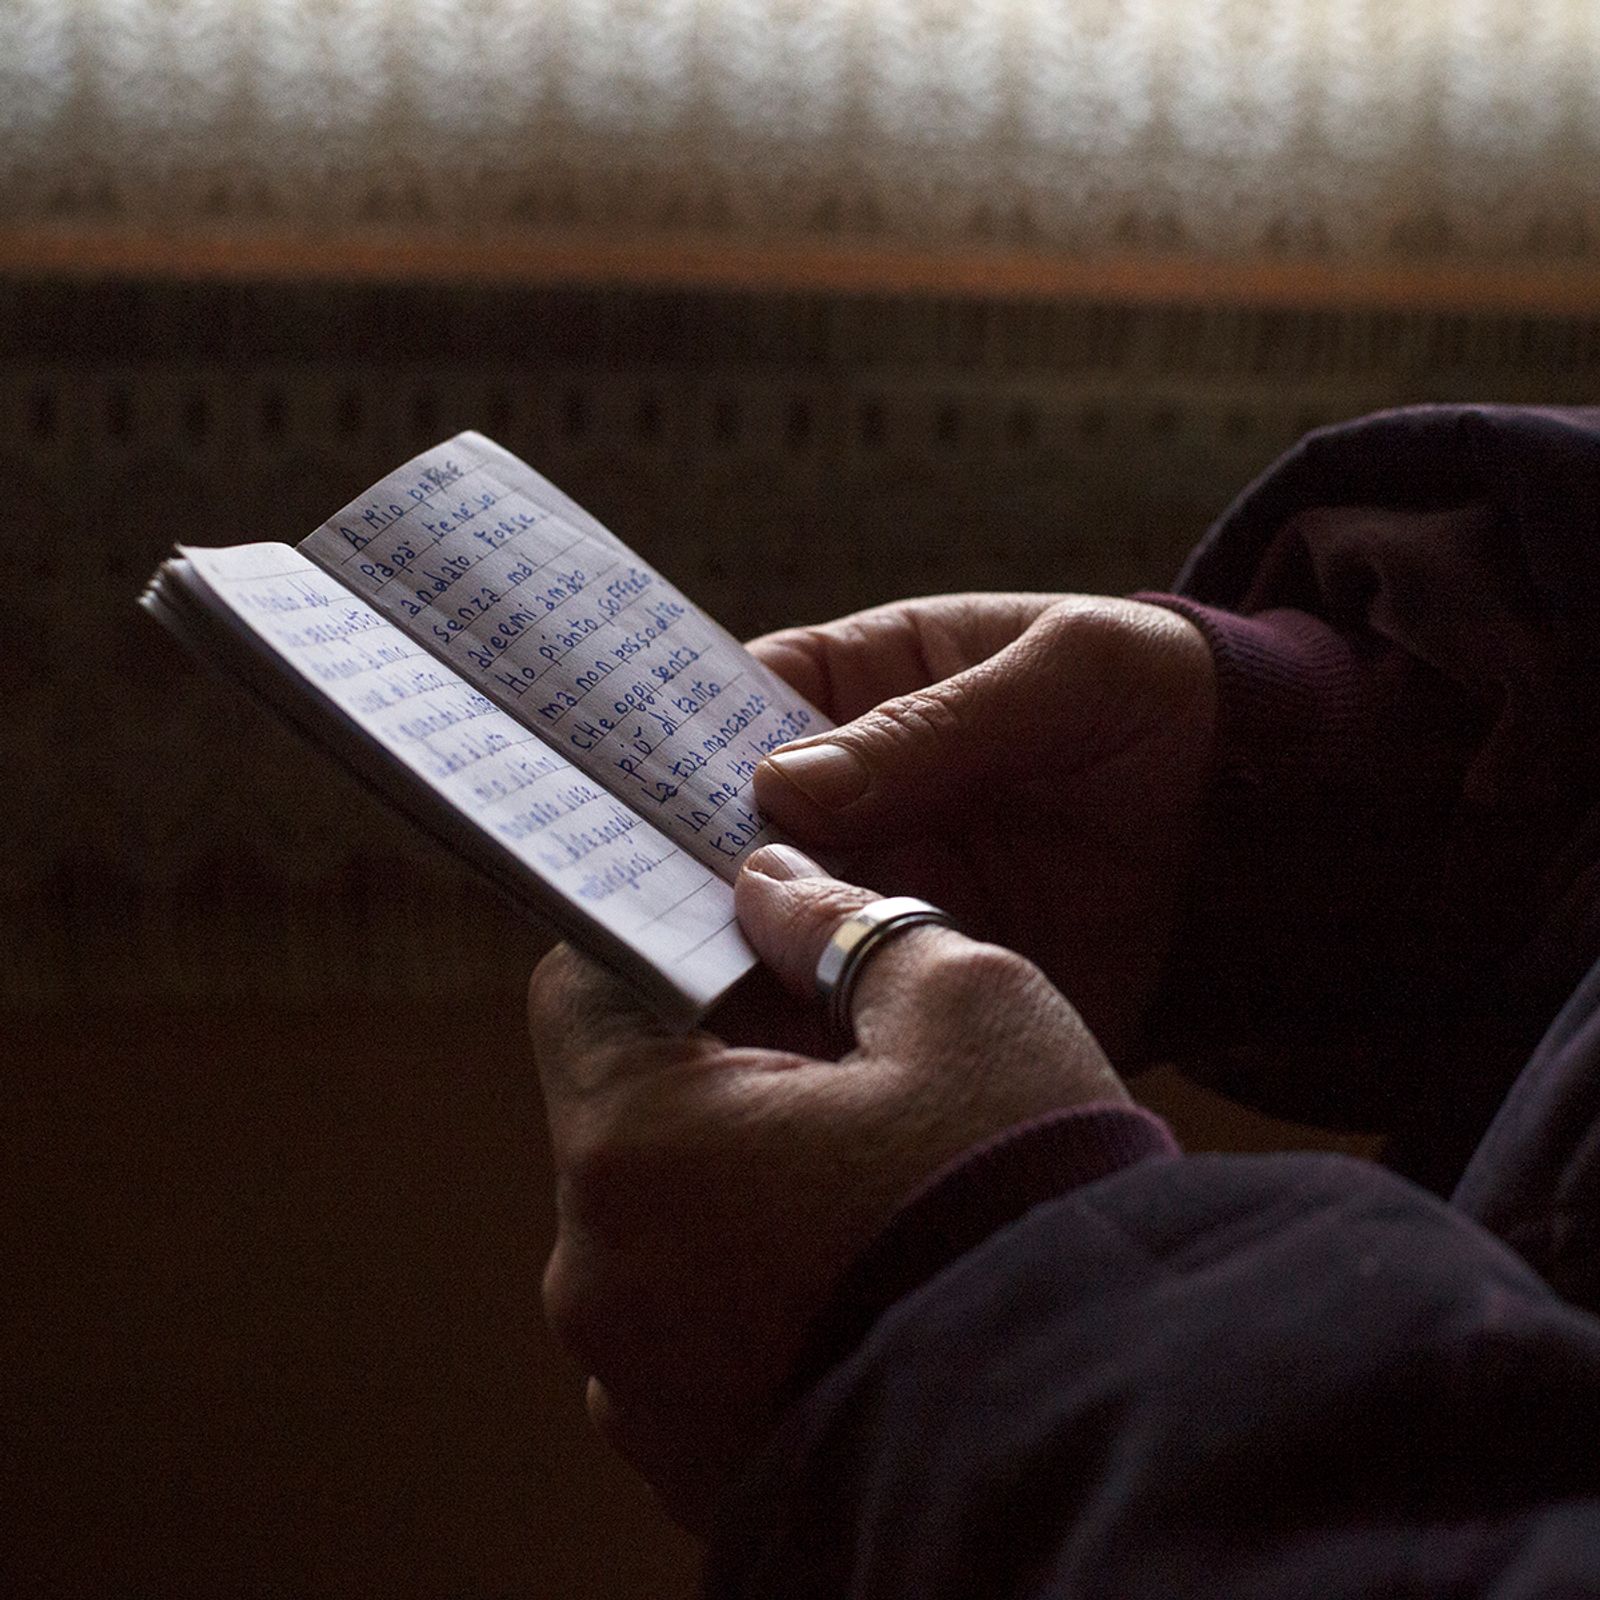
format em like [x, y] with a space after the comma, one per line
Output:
[795, 266]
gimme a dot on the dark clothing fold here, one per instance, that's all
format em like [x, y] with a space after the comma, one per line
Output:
[1145, 1374]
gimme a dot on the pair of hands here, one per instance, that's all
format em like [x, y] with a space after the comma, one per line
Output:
[1031, 763]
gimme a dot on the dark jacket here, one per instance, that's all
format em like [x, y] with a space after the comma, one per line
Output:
[1081, 1363]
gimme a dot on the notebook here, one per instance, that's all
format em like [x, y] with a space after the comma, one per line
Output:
[504, 670]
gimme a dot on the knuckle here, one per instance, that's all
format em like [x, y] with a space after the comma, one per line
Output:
[581, 1023]
[606, 1180]
[969, 978]
[1085, 625]
[827, 903]
[1125, 666]
[1121, 636]
[569, 1304]
[860, 630]
[552, 989]
[780, 640]
[932, 715]
[607, 1194]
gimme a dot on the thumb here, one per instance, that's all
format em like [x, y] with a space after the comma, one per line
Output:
[788, 907]
[1088, 679]
[917, 758]
[931, 996]
[917, 989]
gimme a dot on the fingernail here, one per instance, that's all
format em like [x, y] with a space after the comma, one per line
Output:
[830, 775]
[783, 861]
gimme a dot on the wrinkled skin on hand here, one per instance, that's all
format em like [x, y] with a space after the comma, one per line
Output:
[712, 1193]
[1033, 763]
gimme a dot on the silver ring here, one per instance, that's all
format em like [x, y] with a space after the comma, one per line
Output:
[845, 954]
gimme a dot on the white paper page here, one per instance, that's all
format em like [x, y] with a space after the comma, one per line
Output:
[542, 810]
[469, 550]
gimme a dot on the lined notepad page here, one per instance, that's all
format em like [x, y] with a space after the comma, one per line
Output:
[543, 811]
[550, 616]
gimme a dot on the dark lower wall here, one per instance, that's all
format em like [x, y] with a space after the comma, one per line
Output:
[271, 1328]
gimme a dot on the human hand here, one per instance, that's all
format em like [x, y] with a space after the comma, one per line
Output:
[712, 1193]
[1033, 763]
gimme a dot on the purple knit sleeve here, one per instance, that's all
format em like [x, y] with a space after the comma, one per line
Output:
[1292, 703]
[1326, 931]
[974, 1196]
[1321, 816]
[1392, 888]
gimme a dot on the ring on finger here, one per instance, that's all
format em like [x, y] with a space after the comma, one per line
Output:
[861, 934]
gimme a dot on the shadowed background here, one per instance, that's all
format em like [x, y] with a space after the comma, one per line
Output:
[271, 1154]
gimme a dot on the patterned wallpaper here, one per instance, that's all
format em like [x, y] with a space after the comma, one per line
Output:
[781, 458]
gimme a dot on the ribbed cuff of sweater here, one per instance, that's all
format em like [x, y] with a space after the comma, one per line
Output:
[1289, 858]
[977, 1194]
[1290, 694]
